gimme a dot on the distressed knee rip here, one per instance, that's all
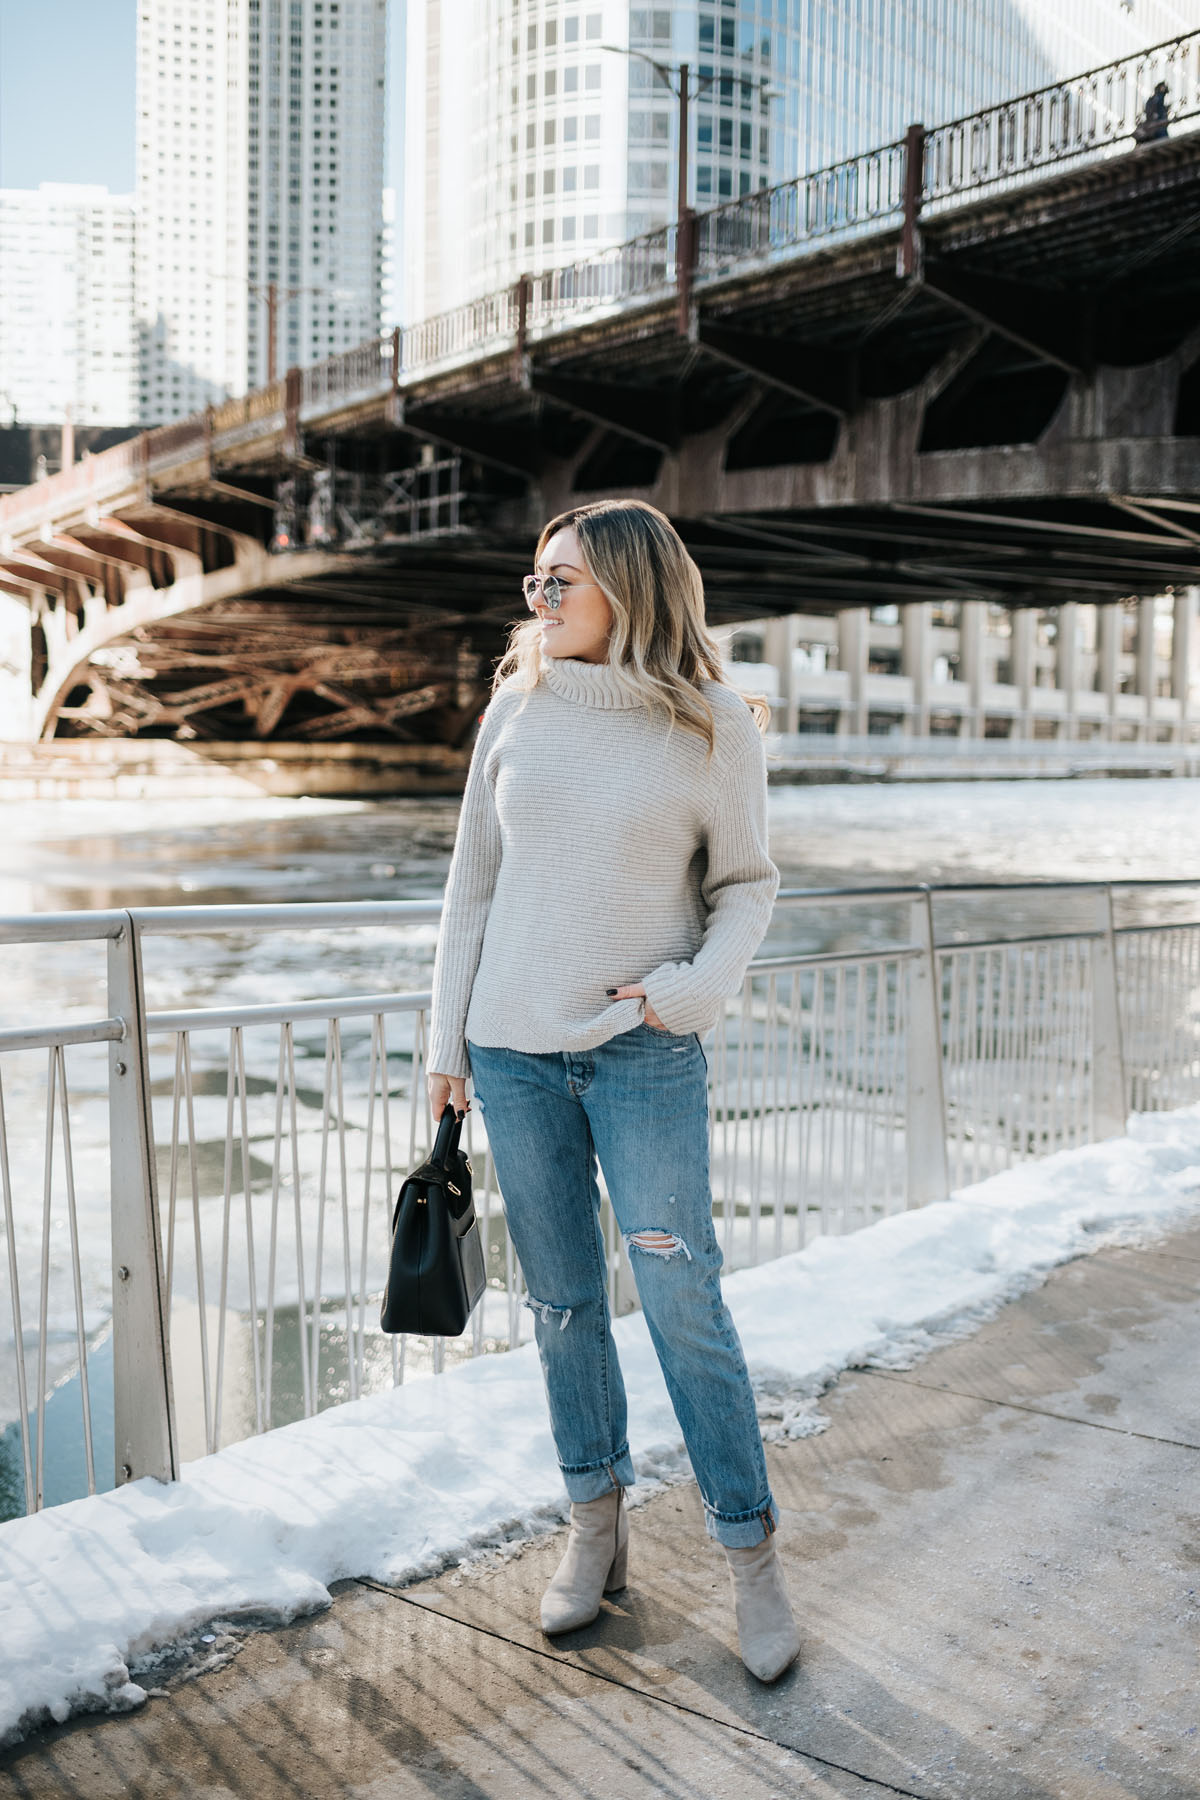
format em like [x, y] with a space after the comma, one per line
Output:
[546, 1312]
[657, 1243]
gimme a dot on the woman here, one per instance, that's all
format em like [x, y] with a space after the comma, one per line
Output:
[609, 885]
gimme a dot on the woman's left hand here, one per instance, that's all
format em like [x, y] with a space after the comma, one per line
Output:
[635, 991]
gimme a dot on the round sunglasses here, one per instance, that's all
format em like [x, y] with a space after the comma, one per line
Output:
[551, 590]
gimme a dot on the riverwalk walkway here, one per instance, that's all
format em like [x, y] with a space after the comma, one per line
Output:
[995, 1559]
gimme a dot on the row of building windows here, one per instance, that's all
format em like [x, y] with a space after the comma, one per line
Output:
[721, 181]
[589, 227]
[593, 29]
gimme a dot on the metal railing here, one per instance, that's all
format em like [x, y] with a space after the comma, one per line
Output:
[1082, 117]
[887, 1044]
[844, 199]
[1065, 122]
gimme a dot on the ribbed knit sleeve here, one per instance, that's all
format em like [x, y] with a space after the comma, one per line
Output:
[469, 889]
[739, 891]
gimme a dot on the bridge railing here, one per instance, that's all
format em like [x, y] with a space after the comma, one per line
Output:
[847, 197]
[367, 369]
[1071, 120]
[465, 331]
[204, 1184]
[641, 269]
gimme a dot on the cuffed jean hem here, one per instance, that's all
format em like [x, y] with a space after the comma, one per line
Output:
[741, 1531]
[595, 1480]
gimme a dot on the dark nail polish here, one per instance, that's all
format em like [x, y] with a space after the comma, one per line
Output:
[611, 992]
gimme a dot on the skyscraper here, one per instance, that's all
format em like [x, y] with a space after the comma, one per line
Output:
[259, 190]
[538, 131]
[66, 305]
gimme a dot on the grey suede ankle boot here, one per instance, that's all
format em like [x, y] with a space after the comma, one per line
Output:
[767, 1634]
[595, 1563]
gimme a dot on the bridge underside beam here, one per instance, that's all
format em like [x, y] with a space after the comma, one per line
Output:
[1053, 326]
[823, 378]
[617, 407]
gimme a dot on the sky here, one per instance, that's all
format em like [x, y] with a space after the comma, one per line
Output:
[67, 92]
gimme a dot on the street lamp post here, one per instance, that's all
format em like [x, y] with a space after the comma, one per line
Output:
[676, 77]
[271, 295]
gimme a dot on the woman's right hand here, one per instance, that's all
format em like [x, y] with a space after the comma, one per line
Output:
[443, 1088]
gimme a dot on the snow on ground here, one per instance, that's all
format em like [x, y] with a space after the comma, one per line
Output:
[95, 1593]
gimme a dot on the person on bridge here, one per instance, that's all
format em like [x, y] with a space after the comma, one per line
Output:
[609, 885]
[1153, 123]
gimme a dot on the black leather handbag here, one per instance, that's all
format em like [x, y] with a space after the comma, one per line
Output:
[436, 1272]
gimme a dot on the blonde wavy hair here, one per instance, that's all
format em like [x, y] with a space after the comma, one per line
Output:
[660, 647]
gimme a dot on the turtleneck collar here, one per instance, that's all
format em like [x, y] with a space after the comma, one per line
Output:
[588, 684]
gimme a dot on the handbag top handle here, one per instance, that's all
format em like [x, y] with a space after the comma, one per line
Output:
[448, 1133]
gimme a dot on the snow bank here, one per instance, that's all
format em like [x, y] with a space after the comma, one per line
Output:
[395, 1485]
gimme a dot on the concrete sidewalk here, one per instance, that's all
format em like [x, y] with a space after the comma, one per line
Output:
[995, 1558]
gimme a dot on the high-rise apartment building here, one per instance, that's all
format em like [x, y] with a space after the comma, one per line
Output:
[67, 345]
[538, 131]
[259, 188]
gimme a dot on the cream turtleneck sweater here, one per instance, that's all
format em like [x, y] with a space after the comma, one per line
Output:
[598, 848]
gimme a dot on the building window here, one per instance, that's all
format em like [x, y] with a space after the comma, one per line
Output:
[547, 231]
[591, 225]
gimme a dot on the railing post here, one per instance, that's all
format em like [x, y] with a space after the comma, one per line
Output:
[685, 267]
[292, 385]
[1110, 1108]
[397, 354]
[928, 1165]
[523, 291]
[144, 1435]
[908, 262]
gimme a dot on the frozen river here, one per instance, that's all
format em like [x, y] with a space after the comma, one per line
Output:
[59, 855]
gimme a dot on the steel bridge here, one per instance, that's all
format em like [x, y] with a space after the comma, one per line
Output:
[965, 365]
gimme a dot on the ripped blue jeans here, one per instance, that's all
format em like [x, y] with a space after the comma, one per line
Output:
[639, 1103]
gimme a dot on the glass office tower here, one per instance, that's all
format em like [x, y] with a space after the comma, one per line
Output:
[537, 132]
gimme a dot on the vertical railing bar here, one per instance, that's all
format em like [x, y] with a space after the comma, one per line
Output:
[360, 1332]
[307, 1378]
[319, 1273]
[198, 1243]
[172, 1196]
[44, 1323]
[256, 1354]
[226, 1219]
[273, 1245]
[14, 1278]
[76, 1270]
[344, 1206]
